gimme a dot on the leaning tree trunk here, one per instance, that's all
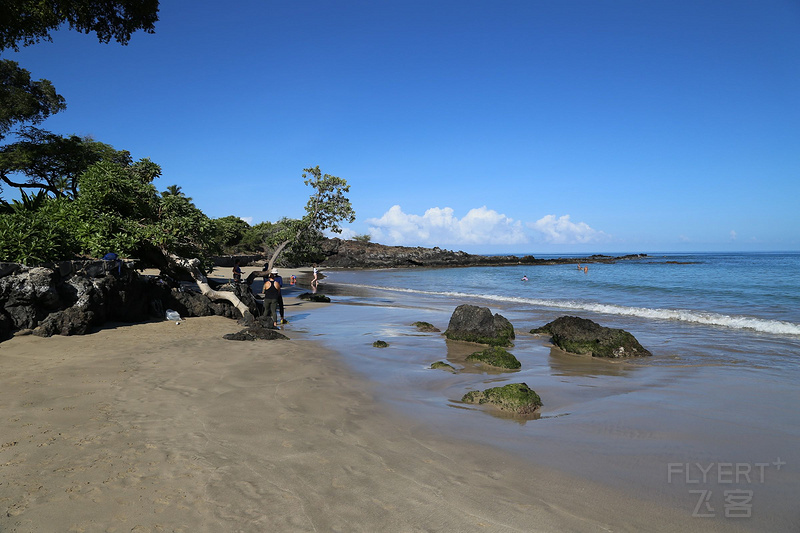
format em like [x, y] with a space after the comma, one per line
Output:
[275, 255]
[193, 267]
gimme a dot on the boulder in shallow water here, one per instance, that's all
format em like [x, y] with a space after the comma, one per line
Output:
[496, 356]
[514, 397]
[443, 366]
[583, 336]
[426, 327]
[477, 324]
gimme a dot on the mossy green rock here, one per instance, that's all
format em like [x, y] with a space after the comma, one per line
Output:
[514, 397]
[496, 356]
[380, 344]
[477, 324]
[443, 366]
[426, 327]
[582, 336]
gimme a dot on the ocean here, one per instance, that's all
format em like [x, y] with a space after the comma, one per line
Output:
[722, 386]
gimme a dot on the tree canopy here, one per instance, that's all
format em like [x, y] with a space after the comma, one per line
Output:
[25, 101]
[26, 22]
[51, 162]
[326, 209]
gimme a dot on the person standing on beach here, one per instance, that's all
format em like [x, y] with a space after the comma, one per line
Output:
[272, 294]
[315, 281]
[237, 271]
[279, 279]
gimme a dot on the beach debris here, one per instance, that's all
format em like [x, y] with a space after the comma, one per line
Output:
[583, 336]
[514, 397]
[443, 366]
[426, 327]
[314, 297]
[496, 356]
[477, 324]
[173, 315]
[256, 332]
[380, 344]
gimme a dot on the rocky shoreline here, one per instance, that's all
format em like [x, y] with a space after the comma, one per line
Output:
[340, 253]
[354, 254]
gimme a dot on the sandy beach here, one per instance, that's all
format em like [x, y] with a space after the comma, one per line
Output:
[165, 427]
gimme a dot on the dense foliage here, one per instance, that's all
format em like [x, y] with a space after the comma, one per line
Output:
[25, 22]
[23, 101]
[117, 210]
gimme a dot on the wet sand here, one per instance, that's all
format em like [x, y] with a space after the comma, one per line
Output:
[165, 427]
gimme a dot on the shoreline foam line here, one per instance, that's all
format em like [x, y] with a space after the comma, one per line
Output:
[707, 318]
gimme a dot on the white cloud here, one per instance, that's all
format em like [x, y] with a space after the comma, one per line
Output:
[346, 234]
[562, 230]
[439, 226]
[733, 235]
[249, 220]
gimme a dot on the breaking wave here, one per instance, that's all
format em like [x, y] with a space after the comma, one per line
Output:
[776, 327]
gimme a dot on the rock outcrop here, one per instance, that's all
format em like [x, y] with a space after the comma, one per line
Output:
[426, 327]
[444, 366]
[583, 336]
[72, 297]
[514, 397]
[257, 331]
[477, 324]
[356, 254]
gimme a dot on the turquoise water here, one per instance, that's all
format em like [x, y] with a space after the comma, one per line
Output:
[726, 307]
[721, 387]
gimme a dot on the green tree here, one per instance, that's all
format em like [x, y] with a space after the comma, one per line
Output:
[326, 209]
[229, 232]
[22, 100]
[52, 163]
[37, 229]
[25, 22]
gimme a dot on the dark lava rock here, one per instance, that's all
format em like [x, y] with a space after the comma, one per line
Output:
[380, 344]
[5, 327]
[476, 324]
[496, 356]
[582, 336]
[255, 332]
[314, 297]
[514, 397]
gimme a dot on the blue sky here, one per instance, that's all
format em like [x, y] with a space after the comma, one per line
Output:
[519, 126]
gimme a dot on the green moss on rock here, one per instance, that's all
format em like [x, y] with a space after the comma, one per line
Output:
[380, 344]
[426, 327]
[514, 397]
[496, 356]
[443, 365]
[582, 336]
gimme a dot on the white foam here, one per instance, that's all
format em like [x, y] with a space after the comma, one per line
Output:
[777, 327]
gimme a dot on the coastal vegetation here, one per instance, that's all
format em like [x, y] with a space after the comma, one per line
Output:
[81, 198]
